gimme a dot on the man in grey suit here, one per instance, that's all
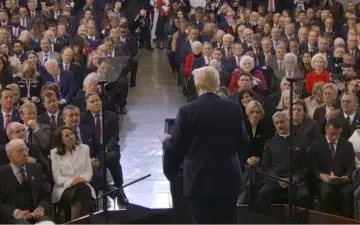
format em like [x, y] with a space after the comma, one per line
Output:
[38, 134]
[46, 52]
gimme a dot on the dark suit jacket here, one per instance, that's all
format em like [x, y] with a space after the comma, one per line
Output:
[320, 117]
[78, 73]
[343, 163]
[8, 183]
[275, 160]
[111, 128]
[88, 137]
[67, 84]
[15, 117]
[309, 129]
[130, 47]
[348, 131]
[34, 151]
[45, 119]
[209, 155]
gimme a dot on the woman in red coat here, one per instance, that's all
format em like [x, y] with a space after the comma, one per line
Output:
[196, 48]
[319, 74]
[247, 65]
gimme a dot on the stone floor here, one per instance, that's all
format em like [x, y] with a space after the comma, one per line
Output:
[155, 98]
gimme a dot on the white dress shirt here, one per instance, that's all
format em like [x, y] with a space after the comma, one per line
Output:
[351, 117]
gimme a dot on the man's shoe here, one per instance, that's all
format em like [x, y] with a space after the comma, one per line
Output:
[121, 198]
[123, 110]
[132, 84]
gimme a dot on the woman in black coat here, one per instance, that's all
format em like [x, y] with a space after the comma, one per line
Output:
[258, 133]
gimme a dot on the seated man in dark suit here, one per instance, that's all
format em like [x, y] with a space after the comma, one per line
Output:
[64, 79]
[275, 162]
[348, 115]
[24, 194]
[53, 115]
[8, 112]
[332, 161]
[86, 134]
[108, 136]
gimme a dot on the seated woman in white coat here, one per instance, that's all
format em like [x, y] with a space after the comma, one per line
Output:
[72, 172]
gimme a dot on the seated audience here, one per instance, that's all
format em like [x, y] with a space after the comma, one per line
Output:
[72, 173]
[315, 100]
[24, 194]
[319, 74]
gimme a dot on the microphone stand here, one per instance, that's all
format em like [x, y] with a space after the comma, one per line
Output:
[292, 209]
[104, 195]
[104, 150]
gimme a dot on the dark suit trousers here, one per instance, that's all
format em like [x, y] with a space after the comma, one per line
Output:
[113, 164]
[272, 193]
[337, 195]
[134, 64]
[172, 59]
[213, 209]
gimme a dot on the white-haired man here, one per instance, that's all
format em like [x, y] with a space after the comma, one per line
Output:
[64, 79]
[228, 41]
[206, 151]
[24, 194]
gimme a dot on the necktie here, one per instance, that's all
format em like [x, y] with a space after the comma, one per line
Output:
[98, 125]
[348, 121]
[23, 22]
[53, 122]
[77, 136]
[57, 80]
[66, 67]
[30, 135]
[23, 176]
[7, 120]
[276, 44]
[16, 32]
[332, 149]
[46, 57]
[280, 65]
[238, 61]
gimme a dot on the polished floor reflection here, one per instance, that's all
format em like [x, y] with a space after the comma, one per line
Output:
[155, 98]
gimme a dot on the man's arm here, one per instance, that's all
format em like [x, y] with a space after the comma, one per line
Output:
[42, 138]
[178, 140]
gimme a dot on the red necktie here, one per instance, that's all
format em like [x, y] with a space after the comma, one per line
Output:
[7, 120]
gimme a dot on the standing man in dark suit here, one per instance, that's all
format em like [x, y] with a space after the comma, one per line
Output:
[332, 160]
[212, 172]
[130, 48]
[8, 112]
[24, 194]
[108, 136]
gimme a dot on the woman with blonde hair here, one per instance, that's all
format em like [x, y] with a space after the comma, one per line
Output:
[29, 82]
[319, 73]
[258, 133]
[315, 100]
[284, 103]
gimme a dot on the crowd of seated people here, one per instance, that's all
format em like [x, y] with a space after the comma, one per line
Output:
[255, 50]
[57, 115]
